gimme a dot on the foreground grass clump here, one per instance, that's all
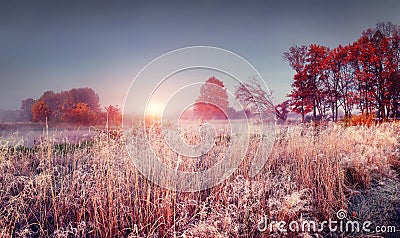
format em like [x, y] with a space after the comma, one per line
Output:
[93, 189]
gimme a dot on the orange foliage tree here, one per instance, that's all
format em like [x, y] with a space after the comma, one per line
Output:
[82, 114]
[40, 111]
[78, 105]
[114, 115]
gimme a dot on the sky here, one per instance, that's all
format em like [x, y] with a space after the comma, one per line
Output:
[59, 45]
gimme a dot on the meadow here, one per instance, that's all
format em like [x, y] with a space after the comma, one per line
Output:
[91, 188]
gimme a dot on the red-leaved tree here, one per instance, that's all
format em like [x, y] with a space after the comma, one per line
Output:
[213, 100]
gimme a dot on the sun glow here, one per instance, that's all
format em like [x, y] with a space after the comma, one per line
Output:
[154, 109]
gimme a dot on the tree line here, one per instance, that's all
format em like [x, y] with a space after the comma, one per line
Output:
[76, 106]
[363, 76]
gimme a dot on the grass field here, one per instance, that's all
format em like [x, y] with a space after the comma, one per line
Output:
[92, 188]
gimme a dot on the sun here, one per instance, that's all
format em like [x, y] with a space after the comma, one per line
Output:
[154, 109]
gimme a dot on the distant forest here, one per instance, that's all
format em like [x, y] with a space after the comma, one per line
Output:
[79, 106]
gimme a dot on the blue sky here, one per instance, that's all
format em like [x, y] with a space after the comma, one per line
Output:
[58, 45]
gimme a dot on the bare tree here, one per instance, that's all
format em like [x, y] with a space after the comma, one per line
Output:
[254, 97]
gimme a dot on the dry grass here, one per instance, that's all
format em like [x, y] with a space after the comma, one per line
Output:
[93, 189]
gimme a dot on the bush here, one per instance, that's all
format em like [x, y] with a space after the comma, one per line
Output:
[361, 120]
